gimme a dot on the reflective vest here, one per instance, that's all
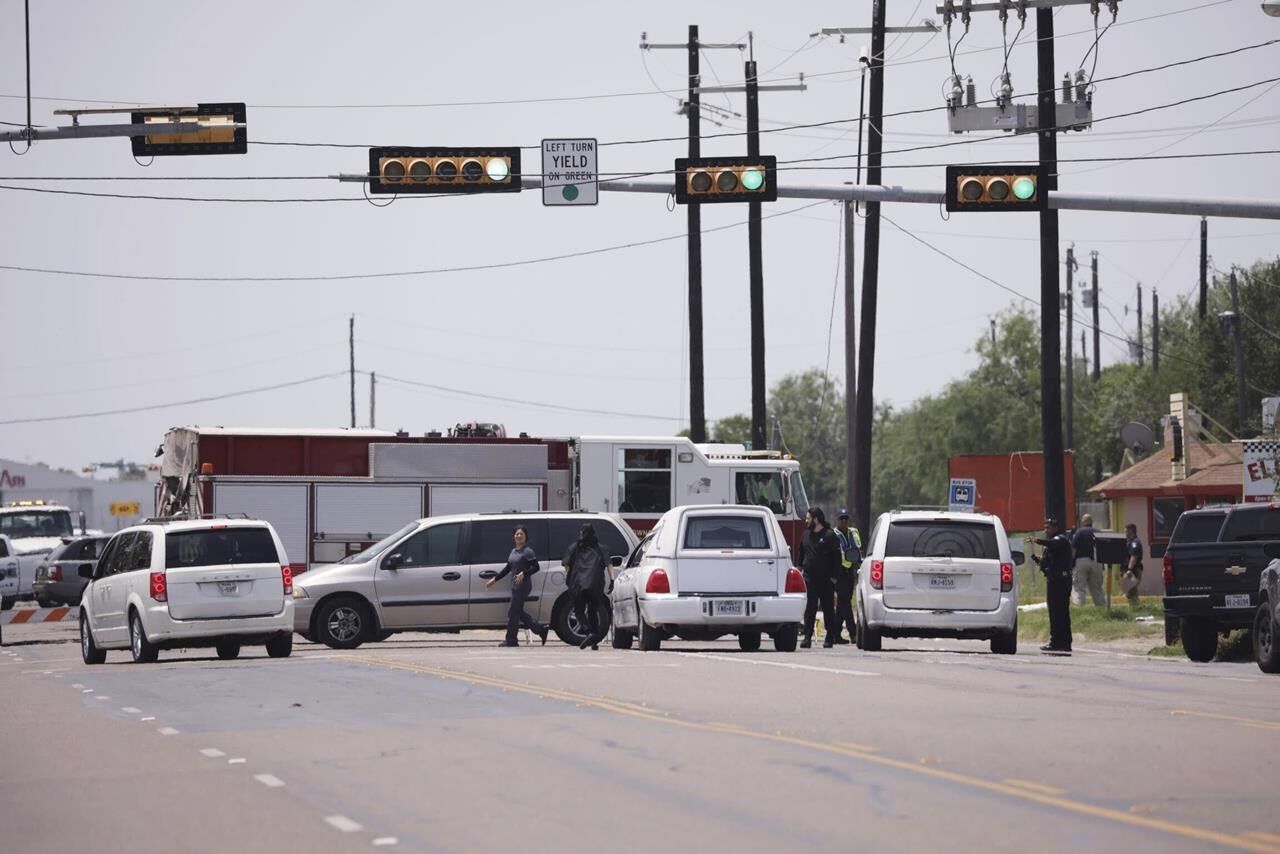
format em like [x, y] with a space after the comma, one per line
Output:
[850, 547]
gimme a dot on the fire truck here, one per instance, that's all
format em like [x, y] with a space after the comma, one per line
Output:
[332, 493]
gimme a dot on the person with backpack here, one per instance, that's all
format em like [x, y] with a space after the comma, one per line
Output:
[586, 571]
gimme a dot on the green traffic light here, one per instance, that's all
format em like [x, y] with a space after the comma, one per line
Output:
[497, 169]
[1024, 187]
[752, 179]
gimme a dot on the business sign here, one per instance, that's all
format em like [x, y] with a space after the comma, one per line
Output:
[962, 495]
[126, 508]
[569, 172]
[1261, 470]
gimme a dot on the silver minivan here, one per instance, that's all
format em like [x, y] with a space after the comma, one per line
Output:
[430, 575]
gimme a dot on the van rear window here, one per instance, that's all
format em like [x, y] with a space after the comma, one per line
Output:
[942, 539]
[219, 547]
[725, 532]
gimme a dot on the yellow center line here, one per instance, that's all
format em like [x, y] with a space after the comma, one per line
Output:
[1264, 836]
[1248, 721]
[1020, 791]
[1037, 787]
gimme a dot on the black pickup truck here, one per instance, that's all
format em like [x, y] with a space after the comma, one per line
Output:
[1212, 568]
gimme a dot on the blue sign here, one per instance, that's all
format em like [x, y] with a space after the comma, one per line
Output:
[963, 494]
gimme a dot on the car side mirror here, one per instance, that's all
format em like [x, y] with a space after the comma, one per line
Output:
[617, 560]
[394, 561]
[1272, 550]
[85, 570]
[1018, 556]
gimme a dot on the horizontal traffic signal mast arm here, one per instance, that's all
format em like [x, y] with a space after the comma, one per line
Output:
[1236, 208]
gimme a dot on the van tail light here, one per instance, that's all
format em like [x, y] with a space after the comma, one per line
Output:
[658, 582]
[159, 587]
[54, 573]
[286, 575]
[877, 574]
[1168, 569]
[1006, 577]
[795, 581]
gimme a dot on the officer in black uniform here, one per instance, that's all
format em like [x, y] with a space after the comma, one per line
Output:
[1055, 563]
[820, 560]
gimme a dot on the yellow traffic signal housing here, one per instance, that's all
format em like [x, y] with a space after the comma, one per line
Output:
[994, 188]
[444, 170]
[706, 180]
[222, 131]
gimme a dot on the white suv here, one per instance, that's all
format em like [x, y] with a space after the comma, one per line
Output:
[930, 574]
[189, 583]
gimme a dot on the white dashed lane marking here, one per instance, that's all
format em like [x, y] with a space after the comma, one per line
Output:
[385, 840]
[341, 822]
[239, 760]
[269, 780]
[102, 697]
[167, 730]
[212, 752]
[130, 710]
[149, 718]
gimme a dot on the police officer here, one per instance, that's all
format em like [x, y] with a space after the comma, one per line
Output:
[847, 579]
[1055, 563]
[1132, 564]
[820, 560]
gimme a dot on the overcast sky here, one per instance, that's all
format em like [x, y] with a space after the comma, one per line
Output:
[538, 336]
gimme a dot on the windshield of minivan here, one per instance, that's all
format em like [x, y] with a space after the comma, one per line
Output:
[942, 539]
[380, 545]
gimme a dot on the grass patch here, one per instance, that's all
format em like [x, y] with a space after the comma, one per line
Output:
[1097, 623]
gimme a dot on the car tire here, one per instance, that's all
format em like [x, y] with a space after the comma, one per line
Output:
[1171, 633]
[6, 602]
[227, 650]
[786, 638]
[1199, 638]
[88, 649]
[143, 650]
[1266, 649]
[1006, 643]
[650, 640]
[565, 623]
[45, 603]
[622, 638]
[383, 635]
[748, 641]
[870, 639]
[344, 623]
[281, 645]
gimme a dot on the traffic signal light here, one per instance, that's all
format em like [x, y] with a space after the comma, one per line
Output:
[444, 170]
[994, 188]
[219, 133]
[704, 180]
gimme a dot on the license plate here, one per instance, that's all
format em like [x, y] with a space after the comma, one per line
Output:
[228, 588]
[729, 608]
[942, 582]
[1237, 600]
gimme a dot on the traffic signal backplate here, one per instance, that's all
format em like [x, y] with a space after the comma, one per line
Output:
[995, 188]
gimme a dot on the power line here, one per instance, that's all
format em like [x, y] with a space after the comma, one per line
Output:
[1264, 330]
[153, 407]
[392, 275]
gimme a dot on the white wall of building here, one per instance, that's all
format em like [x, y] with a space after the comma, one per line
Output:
[24, 482]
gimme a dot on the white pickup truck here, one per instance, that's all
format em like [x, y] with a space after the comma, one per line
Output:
[8, 570]
[32, 529]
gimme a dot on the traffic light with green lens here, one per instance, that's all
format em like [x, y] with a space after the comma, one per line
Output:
[444, 170]
[705, 180]
[994, 188]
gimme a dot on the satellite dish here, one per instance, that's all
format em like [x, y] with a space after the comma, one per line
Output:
[1137, 437]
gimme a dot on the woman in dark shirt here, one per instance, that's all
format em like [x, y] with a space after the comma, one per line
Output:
[523, 564]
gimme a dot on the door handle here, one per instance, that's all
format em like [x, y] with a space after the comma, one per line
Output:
[488, 573]
[769, 562]
[451, 576]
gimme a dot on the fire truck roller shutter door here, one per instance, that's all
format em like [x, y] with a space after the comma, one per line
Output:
[284, 505]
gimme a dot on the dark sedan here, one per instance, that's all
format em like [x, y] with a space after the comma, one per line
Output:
[58, 580]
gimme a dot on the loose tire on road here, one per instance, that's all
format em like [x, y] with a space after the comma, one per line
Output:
[227, 650]
[143, 650]
[648, 636]
[280, 646]
[786, 638]
[344, 623]
[88, 649]
[1266, 650]
[565, 622]
[1199, 638]
[748, 641]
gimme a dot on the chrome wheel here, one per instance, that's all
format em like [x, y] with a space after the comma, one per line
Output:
[344, 624]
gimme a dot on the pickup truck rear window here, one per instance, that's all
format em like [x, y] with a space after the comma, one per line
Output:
[1198, 528]
[725, 532]
[1250, 525]
[942, 539]
[218, 547]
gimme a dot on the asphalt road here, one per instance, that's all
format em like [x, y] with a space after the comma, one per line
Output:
[448, 743]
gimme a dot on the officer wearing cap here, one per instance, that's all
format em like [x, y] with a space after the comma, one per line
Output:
[1055, 563]
[847, 578]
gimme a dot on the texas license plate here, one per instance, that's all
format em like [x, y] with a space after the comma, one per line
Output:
[729, 608]
[942, 582]
[1237, 600]
[228, 588]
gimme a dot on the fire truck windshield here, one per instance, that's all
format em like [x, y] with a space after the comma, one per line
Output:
[799, 498]
[762, 488]
[35, 522]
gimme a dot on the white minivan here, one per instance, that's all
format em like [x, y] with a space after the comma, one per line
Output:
[223, 582]
[708, 571]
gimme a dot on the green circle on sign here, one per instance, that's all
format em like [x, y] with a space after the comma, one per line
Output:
[752, 179]
[569, 191]
[1024, 187]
